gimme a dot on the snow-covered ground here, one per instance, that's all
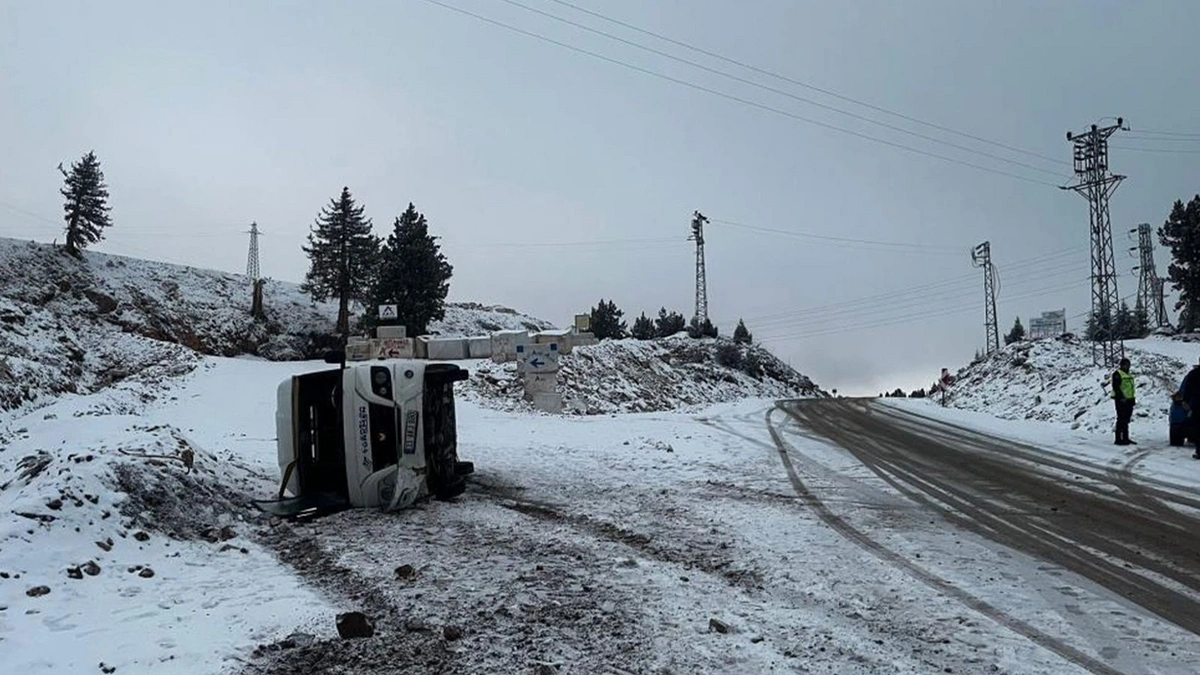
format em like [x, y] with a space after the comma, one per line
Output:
[675, 373]
[1055, 381]
[70, 325]
[584, 544]
[76, 491]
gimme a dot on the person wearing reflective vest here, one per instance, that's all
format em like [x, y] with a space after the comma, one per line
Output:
[1124, 394]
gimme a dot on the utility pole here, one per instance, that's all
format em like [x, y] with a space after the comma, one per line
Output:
[252, 271]
[1096, 183]
[1150, 287]
[701, 315]
[981, 256]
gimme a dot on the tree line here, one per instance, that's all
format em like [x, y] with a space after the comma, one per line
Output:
[348, 263]
[607, 323]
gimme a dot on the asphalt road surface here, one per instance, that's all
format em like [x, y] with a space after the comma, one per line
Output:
[1137, 537]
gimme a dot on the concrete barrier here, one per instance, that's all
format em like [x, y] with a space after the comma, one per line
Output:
[479, 347]
[562, 337]
[392, 348]
[583, 340]
[504, 344]
[446, 349]
[358, 349]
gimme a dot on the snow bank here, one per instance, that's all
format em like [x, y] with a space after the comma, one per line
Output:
[466, 319]
[1053, 380]
[621, 376]
[126, 538]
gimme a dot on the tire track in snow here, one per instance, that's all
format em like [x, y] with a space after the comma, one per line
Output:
[1133, 535]
[922, 575]
[1158, 488]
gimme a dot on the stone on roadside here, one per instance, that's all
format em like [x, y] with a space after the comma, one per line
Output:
[351, 625]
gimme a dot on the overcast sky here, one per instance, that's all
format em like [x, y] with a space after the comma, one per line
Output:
[557, 178]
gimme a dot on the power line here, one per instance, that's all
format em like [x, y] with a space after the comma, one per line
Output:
[973, 307]
[569, 244]
[846, 240]
[1182, 134]
[732, 97]
[38, 217]
[907, 319]
[922, 289]
[1167, 151]
[905, 305]
[806, 85]
[1161, 139]
[776, 90]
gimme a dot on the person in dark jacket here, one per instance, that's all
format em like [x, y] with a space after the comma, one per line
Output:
[1124, 397]
[1189, 391]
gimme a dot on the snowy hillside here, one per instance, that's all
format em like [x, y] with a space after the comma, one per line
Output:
[654, 375]
[70, 325]
[1055, 381]
[465, 319]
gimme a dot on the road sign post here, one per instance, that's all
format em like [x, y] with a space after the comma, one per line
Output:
[537, 364]
[944, 383]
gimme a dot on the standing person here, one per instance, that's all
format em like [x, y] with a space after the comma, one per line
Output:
[1189, 391]
[1124, 397]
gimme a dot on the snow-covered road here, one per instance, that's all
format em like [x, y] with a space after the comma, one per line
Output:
[1130, 536]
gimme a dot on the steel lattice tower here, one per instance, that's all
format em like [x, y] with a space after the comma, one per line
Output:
[1096, 183]
[252, 269]
[1150, 287]
[698, 221]
[981, 256]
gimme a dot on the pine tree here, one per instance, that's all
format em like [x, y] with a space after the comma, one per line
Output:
[669, 324]
[704, 329]
[86, 203]
[1181, 234]
[1100, 326]
[1123, 325]
[643, 328]
[741, 335]
[343, 254]
[1140, 326]
[606, 321]
[1016, 334]
[413, 274]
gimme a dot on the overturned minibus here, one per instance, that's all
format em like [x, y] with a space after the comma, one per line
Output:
[369, 434]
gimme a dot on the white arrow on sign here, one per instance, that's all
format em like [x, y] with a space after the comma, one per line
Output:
[387, 311]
